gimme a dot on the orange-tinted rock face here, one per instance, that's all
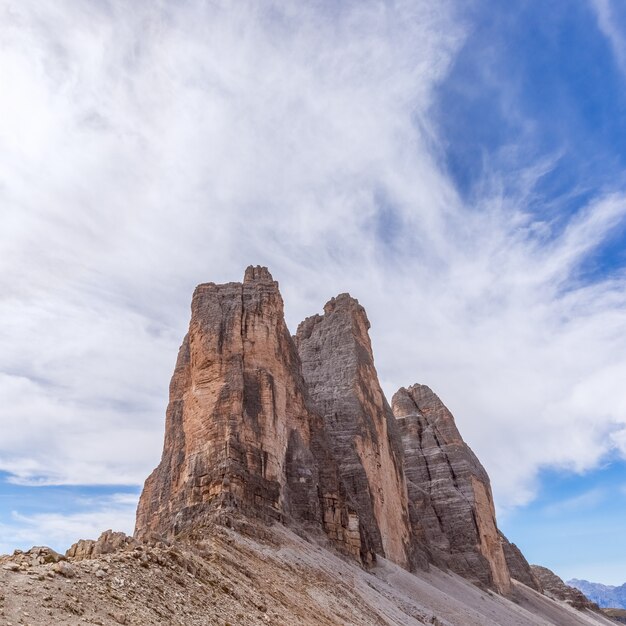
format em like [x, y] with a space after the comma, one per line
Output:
[239, 434]
[450, 493]
[338, 369]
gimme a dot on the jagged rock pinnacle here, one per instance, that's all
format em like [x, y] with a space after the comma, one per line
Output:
[450, 493]
[257, 273]
[240, 436]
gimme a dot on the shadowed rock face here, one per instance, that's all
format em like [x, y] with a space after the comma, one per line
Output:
[554, 587]
[239, 434]
[338, 369]
[519, 567]
[449, 490]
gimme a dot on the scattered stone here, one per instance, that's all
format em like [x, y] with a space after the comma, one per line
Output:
[11, 567]
[65, 569]
[120, 618]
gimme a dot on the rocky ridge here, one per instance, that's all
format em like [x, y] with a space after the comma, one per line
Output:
[607, 596]
[554, 587]
[259, 575]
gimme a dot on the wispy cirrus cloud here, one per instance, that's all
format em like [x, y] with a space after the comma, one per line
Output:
[145, 149]
[610, 15]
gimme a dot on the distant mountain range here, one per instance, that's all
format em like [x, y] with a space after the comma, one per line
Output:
[606, 596]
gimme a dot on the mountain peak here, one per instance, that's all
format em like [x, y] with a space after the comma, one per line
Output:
[257, 273]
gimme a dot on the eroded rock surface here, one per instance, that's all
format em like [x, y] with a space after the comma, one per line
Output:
[266, 576]
[264, 426]
[554, 587]
[261, 429]
[449, 490]
[301, 433]
[108, 542]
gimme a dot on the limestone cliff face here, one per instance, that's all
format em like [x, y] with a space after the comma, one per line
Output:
[338, 369]
[239, 434]
[298, 430]
[449, 490]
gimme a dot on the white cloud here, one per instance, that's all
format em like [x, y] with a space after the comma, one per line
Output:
[618, 438]
[59, 531]
[608, 14]
[146, 149]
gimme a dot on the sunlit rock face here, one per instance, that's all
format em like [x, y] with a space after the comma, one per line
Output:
[240, 436]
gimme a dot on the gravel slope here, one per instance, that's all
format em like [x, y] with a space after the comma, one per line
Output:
[265, 576]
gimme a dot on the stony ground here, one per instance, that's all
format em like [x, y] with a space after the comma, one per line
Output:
[619, 615]
[269, 577]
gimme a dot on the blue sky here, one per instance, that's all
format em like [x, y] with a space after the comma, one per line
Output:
[458, 167]
[536, 81]
[575, 523]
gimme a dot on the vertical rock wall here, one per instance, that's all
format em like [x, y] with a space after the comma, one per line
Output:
[449, 490]
[338, 369]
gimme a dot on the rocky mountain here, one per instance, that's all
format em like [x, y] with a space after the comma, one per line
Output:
[606, 596]
[298, 430]
[291, 492]
[240, 435]
[452, 507]
[341, 380]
